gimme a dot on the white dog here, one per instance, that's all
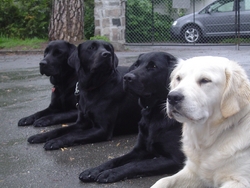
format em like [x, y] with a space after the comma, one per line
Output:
[211, 96]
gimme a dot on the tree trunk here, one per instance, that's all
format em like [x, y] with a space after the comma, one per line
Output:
[66, 22]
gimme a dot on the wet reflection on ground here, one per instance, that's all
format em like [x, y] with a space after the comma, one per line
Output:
[24, 91]
[15, 85]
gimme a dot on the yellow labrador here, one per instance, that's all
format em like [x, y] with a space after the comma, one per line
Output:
[211, 96]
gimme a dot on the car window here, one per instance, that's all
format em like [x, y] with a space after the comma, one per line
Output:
[244, 5]
[222, 6]
[247, 4]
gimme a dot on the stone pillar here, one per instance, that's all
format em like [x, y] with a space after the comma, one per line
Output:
[110, 21]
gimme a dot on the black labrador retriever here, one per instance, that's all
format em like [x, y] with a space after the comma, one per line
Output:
[62, 108]
[104, 108]
[158, 147]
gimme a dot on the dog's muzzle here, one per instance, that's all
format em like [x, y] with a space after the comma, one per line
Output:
[174, 101]
[43, 65]
[175, 98]
[129, 77]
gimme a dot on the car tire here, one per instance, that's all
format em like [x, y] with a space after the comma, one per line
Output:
[192, 34]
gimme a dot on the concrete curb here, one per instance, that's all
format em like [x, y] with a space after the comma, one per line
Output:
[142, 48]
[21, 52]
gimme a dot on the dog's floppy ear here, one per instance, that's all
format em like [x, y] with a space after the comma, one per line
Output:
[116, 60]
[73, 60]
[71, 47]
[132, 67]
[172, 61]
[237, 91]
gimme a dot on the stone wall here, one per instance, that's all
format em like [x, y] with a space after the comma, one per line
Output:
[110, 21]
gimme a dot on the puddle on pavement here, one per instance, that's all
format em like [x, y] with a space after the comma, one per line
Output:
[20, 86]
[19, 75]
[25, 84]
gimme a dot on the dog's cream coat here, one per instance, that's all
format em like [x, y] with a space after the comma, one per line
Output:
[215, 112]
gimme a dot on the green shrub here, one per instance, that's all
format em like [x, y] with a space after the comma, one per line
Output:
[98, 37]
[145, 25]
[89, 20]
[24, 18]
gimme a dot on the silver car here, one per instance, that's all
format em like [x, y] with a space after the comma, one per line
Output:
[215, 20]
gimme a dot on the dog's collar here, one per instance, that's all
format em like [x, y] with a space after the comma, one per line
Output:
[53, 89]
[150, 103]
[57, 81]
[102, 83]
[77, 93]
[142, 104]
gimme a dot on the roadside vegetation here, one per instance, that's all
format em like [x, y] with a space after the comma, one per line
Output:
[24, 18]
[233, 40]
[24, 24]
[22, 44]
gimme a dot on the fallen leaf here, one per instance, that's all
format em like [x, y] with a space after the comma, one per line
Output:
[110, 157]
[62, 149]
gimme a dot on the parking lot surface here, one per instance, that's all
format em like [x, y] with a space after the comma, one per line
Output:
[24, 91]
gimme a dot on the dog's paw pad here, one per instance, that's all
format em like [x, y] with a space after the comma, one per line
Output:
[53, 145]
[41, 123]
[86, 176]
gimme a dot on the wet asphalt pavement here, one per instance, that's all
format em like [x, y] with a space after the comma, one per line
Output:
[24, 91]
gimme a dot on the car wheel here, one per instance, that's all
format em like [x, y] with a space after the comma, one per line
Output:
[192, 34]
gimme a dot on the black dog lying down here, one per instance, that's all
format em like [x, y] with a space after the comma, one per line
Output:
[62, 108]
[104, 108]
[157, 150]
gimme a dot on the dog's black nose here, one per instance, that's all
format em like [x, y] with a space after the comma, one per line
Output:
[129, 77]
[43, 63]
[175, 97]
[106, 54]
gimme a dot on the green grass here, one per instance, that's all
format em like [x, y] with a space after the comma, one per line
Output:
[10, 43]
[233, 40]
[98, 37]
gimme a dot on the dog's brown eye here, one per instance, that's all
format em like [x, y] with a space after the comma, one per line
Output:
[136, 65]
[92, 47]
[204, 81]
[151, 65]
[178, 78]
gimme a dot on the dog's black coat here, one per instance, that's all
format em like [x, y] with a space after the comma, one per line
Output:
[62, 108]
[104, 108]
[157, 150]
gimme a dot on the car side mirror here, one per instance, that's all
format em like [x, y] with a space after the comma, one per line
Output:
[209, 10]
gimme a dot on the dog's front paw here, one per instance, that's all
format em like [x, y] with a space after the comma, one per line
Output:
[109, 176]
[89, 175]
[54, 144]
[26, 121]
[42, 122]
[38, 138]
